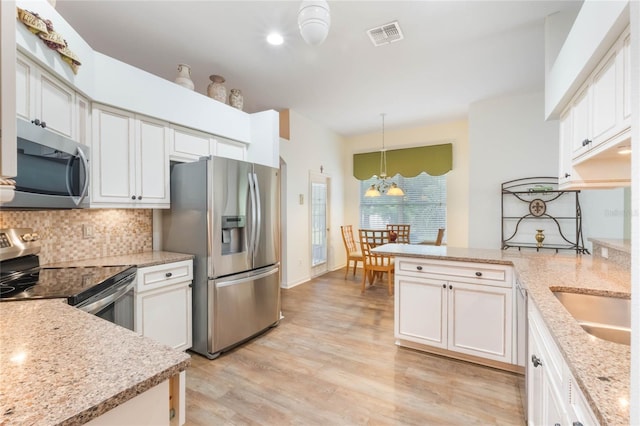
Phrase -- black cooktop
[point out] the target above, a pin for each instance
(21, 282)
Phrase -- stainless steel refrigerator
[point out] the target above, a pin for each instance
(226, 213)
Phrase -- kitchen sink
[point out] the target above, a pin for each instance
(605, 317)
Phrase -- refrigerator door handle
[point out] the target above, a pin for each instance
(258, 229)
(221, 284)
(252, 237)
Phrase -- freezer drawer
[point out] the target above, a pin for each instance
(242, 306)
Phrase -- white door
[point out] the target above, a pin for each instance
(421, 310)
(164, 315)
(113, 155)
(152, 161)
(319, 222)
(480, 320)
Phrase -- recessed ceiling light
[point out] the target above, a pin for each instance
(275, 39)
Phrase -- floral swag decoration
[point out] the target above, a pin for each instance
(43, 28)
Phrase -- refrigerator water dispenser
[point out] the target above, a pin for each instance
(233, 234)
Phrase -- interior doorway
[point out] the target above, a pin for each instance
(319, 185)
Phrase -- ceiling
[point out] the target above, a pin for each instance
(454, 53)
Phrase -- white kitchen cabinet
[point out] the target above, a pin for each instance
(163, 303)
(189, 145)
(130, 160)
(41, 96)
(227, 148)
(553, 397)
(456, 306)
(596, 123)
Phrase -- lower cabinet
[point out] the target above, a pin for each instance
(441, 306)
(163, 303)
(163, 404)
(553, 396)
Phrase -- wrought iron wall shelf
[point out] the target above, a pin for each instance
(537, 215)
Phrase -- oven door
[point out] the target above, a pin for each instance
(115, 304)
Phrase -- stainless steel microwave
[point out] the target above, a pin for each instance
(53, 171)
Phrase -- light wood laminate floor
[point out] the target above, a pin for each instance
(333, 361)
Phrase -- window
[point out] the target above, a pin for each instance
(424, 206)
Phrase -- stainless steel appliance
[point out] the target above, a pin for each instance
(105, 291)
(53, 171)
(226, 213)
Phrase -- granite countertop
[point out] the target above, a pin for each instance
(59, 365)
(147, 258)
(601, 368)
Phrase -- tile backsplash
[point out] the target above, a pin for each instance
(115, 231)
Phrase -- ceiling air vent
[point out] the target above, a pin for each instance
(385, 34)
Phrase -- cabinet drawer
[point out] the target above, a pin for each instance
(480, 273)
(163, 275)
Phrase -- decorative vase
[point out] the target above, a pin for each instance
(236, 99)
(184, 76)
(216, 89)
(539, 237)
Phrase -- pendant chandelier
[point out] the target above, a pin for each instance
(384, 183)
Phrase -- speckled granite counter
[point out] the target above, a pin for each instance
(59, 365)
(600, 367)
(148, 258)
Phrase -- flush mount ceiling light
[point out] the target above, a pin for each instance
(314, 20)
(384, 183)
(275, 39)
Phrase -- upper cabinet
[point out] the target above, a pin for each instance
(596, 125)
(44, 100)
(130, 160)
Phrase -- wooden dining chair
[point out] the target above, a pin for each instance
(438, 240)
(350, 246)
(402, 233)
(375, 264)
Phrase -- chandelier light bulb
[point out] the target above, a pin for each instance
(314, 20)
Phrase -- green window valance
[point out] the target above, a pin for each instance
(436, 160)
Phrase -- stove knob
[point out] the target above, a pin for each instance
(26, 238)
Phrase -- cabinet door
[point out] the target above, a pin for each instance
(189, 145)
(55, 104)
(566, 158)
(229, 149)
(113, 173)
(25, 92)
(535, 385)
(83, 120)
(152, 162)
(421, 311)
(480, 320)
(165, 315)
(626, 80)
(604, 100)
(580, 130)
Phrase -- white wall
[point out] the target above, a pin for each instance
(310, 146)
(508, 139)
(455, 132)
